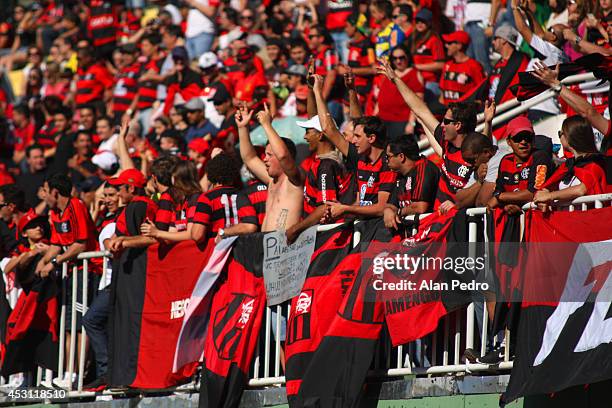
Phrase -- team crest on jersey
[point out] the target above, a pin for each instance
(63, 227)
(525, 173)
(463, 170)
(229, 322)
(408, 185)
(371, 181)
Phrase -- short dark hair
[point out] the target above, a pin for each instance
(174, 31)
(385, 7)
(81, 132)
(106, 119)
(23, 109)
(222, 169)
(579, 134)
(61, 183)
(162, 168)
(373, 125)
(407, 145)
(476, 143)
(231, 14)
(33, 147)
(13, 195)
(153, 38)
(65, 111)
(298, 43)
(465, 113)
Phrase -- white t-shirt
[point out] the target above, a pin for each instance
(198, 22)
(105, 158)
(560, 18)
(493, 165)
(477, 12)
(106, 233)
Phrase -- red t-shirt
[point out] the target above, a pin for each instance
(24, 136)
(427, 52)
(72, 225)
(391, 105)
(91, 84)
(246, 85)
(458, 79)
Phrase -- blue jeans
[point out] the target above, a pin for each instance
(96, 326)
(341, 39)
(199, 44)
(479, 46)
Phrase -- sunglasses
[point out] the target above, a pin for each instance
(448, 121)
(178, 61)
(400, 58)
(2, 205)
(311, 36)
(396, 15)
(522, 137)
(246, 17)
(218, 103)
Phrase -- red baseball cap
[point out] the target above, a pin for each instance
(29, 217)
(131, 177)
(199, 145)
(518, 125)
(458, 36)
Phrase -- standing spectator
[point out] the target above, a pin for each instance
(200, 126)
(149, 78)
(417, 181)
(35, 175)
(106, 157)
(80, 165)
(125, 91)
(480, 17)
(390, 105)
(337, 14)
(213, 80)
(72, 232)
(361, 57)
(298, 52)
(94, 84)
(512, 61)
(107, 207)
(428, 53)
(185, 82)
(102, 27)
(172, 37)
(461, 74)
(403, 17)
(390, 34)
(249, 79)
(325, 64)
(200, 29)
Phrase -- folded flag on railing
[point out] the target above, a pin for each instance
(235, 323)
(190, 345)
(149, 295)
(32, 337)
(565, 333)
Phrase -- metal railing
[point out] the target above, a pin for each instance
(456, 331)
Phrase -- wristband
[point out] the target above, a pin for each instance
(55, 263)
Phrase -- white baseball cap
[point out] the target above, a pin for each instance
(207, 60)
(312, 123)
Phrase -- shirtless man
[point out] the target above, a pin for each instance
(278, 171)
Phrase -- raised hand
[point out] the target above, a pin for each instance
(243, 115)
(349, 79)
(546, 75)
(263, 117)
(384, 68)
(318, 83)
(489, 111)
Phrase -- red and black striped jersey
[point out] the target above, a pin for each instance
(133, 215)
(102, 23)
(327, 180)
(147, 90)
(372, 177)
(91, 84)
(74, 224)
(361, 54)
(419, 185)
(459, 79)
(185, 212)
(104, 219)
(257, 193)
(530, 175)
(46, 135)
(167, 211)
(592, 170)
(223, 207)
(189, 86)
(126, 88)
(454, 171)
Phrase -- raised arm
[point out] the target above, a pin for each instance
(578, 103)
(327, 123)
(521, 25)
(286, 160)
(125, 161)
(247, 151)
(354, 107)
(416, 104)
(489, 114)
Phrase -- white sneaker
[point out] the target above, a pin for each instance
(65, 382)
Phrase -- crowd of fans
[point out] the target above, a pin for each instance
(125, 124)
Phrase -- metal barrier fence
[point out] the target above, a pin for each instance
(456, 331)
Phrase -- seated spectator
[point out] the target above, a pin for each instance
(31, 180)
(477, 150)
(80, 165)
(390, 34)
(107, 207)
(170, 142)
(417, 181)
(522, 172)
(584, 174)
(227, 136)
(461, 74)
(185, 82)
(106, 157)
(125, 90)
(198, 151)
(296, 79)
(403, 16)
(222, 211)
(94, 83)
(12, 208)
(200, 126)
(23, 131)
(249, 79)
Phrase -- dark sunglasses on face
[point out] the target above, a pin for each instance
(311, 36)
(2, 205)
(246, 17)
(179, 61)
(448, 121)
(522, 137)
(398, 58)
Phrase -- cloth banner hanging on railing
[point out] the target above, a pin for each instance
(190, 345)
(565, 338)
(150, 291)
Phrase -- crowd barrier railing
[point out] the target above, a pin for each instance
(456, 332)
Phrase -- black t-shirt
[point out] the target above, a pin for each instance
(420, 184)
(8, 239)
(30, 183)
